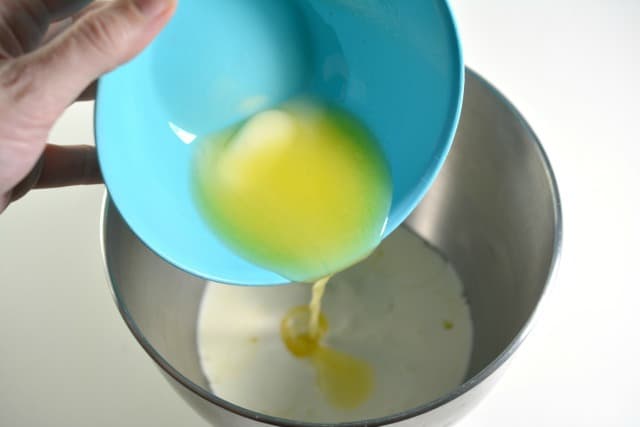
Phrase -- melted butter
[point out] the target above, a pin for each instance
(302, 190)
(346, 381)
(315, 307)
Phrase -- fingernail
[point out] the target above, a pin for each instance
(153, 8)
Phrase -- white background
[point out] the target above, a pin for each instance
(571, 67)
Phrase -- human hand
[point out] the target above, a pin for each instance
(51, 52)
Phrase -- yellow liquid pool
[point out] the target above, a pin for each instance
(302, 190)
(345, 381)
(402, 312)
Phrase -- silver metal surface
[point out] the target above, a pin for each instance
(494, 211)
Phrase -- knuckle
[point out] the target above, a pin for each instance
(100, 33)
(104, 32)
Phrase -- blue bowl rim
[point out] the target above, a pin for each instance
(425, 182)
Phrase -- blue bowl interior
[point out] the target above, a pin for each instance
(396, 65)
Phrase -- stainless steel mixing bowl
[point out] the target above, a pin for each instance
(494, 211)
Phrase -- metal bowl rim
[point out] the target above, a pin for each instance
(492, 367)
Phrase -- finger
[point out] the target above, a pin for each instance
(27, 182)
(61, 9)
(68, 165)
(51, 78)
(91, 7)
(24, 23)
(59, 166)
(58, 26)
(55, 29)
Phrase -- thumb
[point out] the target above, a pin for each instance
(52, 77)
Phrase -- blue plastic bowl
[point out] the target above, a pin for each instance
(397, 65)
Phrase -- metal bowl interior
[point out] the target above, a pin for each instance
(494, 211)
